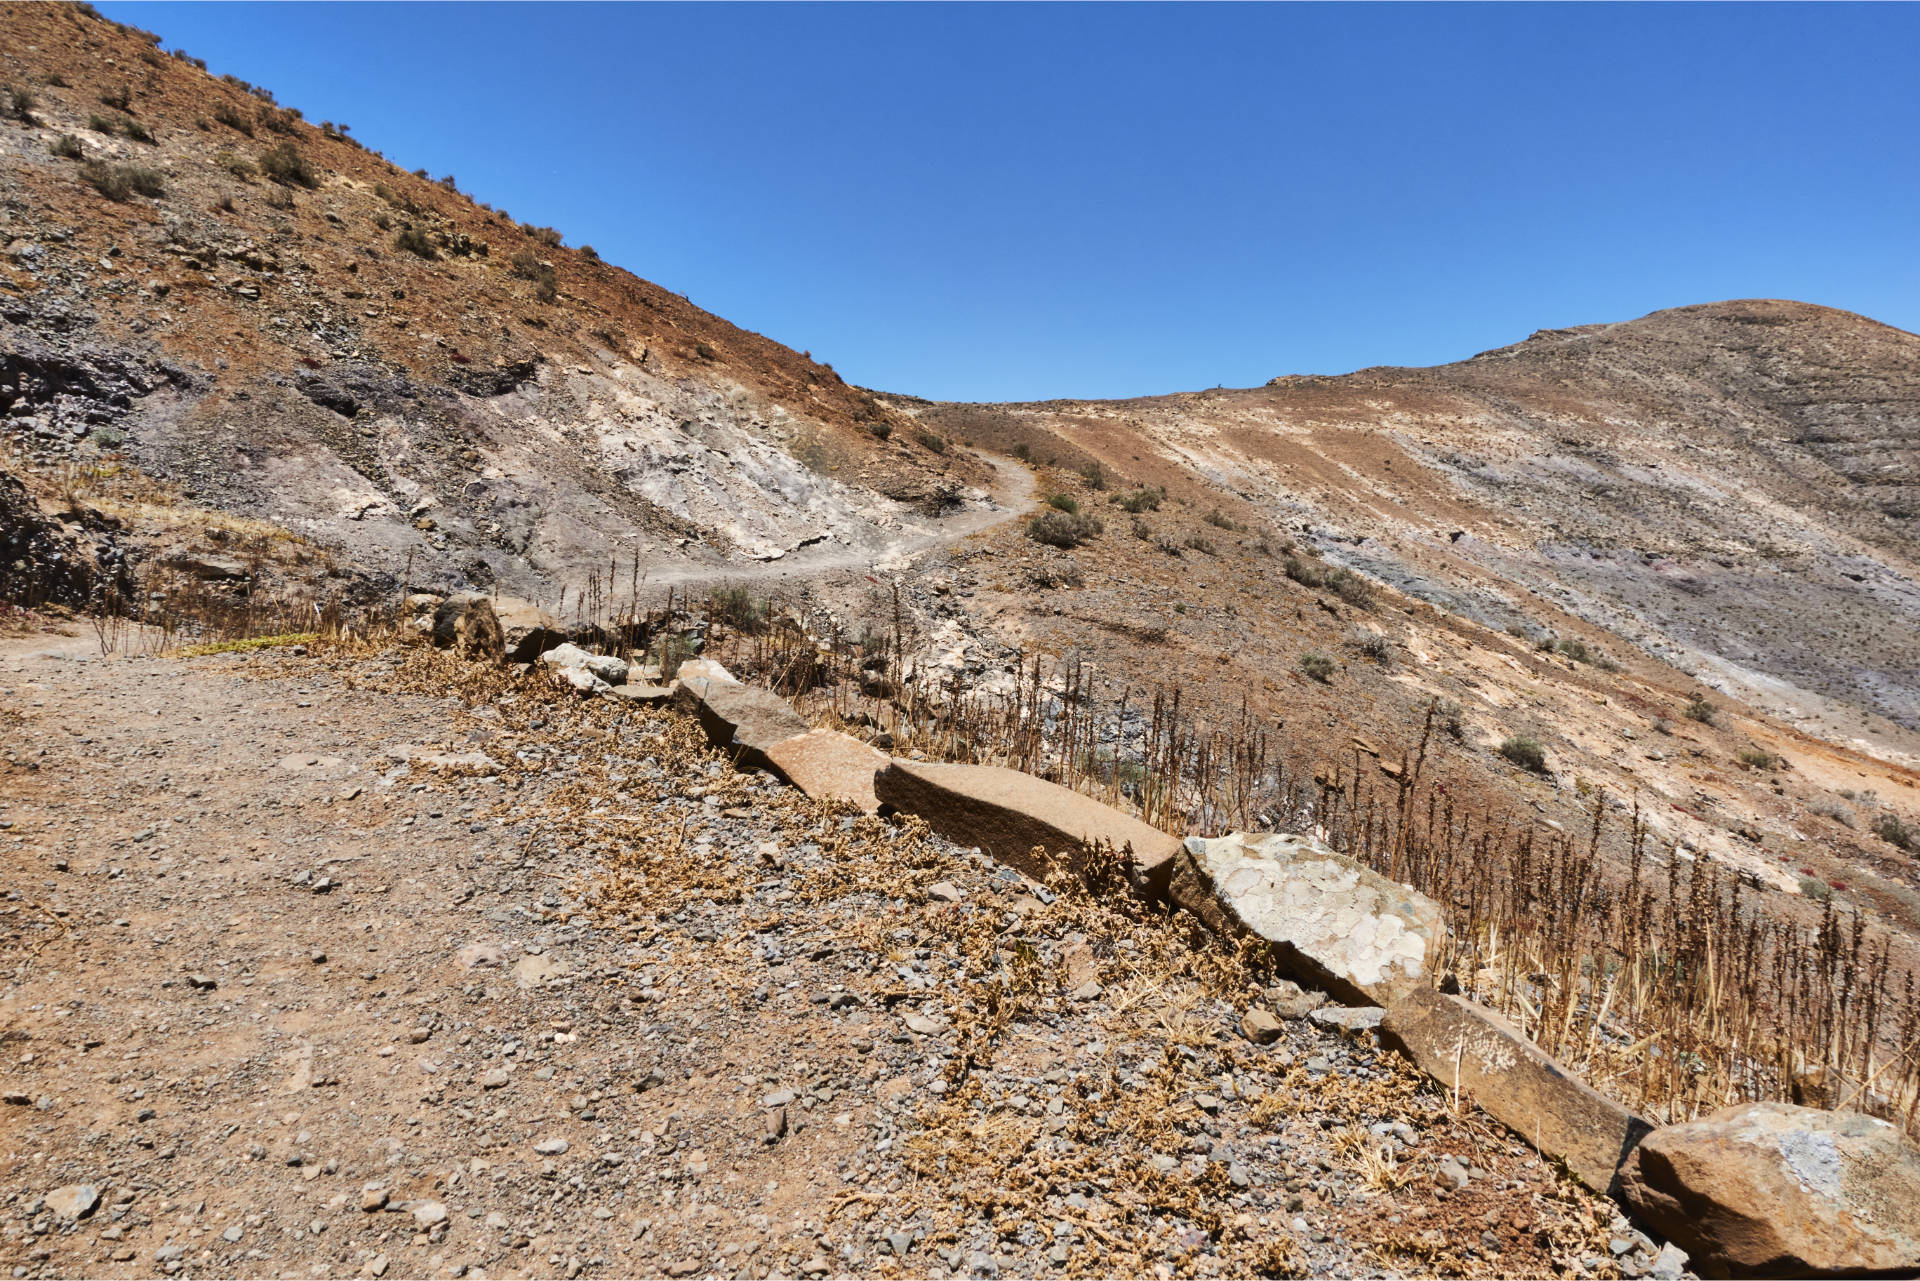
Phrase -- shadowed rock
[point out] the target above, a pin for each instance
(1774, 1190)
(1462, 1044)
(1007, 814)
(739, 719)
(1336, 924)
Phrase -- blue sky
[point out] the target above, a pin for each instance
(987, 202)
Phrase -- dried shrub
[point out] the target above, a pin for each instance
(1062, 529)
(1318, 666)
(1064, 502)
(1895, 831)
(929, 441)
(1525, 752)
(233, 118)
(1094, 474)
(416, 242)
(120, 183)
(119, 98)
(528, 265)
(67, 147)
(1143, 500)
(284, 163)
(1700, 710)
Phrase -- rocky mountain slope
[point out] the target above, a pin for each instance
(273, 322)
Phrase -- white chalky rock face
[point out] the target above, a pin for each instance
(1358, 933)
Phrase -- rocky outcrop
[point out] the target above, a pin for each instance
(1009, 814)
(742, 720)
(43, 561)
(1774, 1190)
(1334, 923)
(827, 765)
(1469, 1047)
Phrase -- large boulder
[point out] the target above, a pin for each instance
(466, 622)
(1342, 927)
(741, 720)
(526, 630)
(1008, 814)
(828, 765)
(1774, 1190)
(1469, 1047)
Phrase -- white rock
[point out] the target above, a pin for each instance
(1363, 938)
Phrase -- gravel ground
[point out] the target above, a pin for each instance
(287, 994)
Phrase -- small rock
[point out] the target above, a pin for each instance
(419, 1034)
(1089, 991)
(552, 1147)
(428, 1213)
(201, 982)
(232, 1234)
(372, 1197)
(1669, 1263)
(72, 1202)
(944, 892)
(376, 1266)
(495, 1079)
(1260, 1027)
(776, 1124)
(318, 957)
(1348, 1018)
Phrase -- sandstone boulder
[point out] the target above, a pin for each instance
(1465, 1045)
(603, 666)
(1007, 814)
(742, 720)
(1343, 927)
(466, 622)
(829, 766)
(1774, 1190)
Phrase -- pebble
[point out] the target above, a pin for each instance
(552, 1147)
(372, 1197)
(944, 892)
(429, 1213)
(1260, 1027)
(495, 1079)
(232, 1234)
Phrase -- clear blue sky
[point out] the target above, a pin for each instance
(982, 202)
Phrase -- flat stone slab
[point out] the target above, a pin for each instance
(1774, 1190)
(742, 720)
(827, 765)
(644, 694)
(1008, 814)
(1343, 927)
(1465, 1045)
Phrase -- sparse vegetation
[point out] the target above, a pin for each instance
(136, 131)
(1094, 474)
(1318, 666)
(1895, 831)
(1064, 502)
(416, 242)
(1307, 573)
(1351, 588)
(1700, 710)
(1200, 543)
(880, 430)
(1143, 500)
(121, 183)
(233, 118)
(284, 163)
(1374, 647)
(527, 265)
(1754, 758)
(930, 441)
(1525, 752)
(735, 606)
(545, 235)
(1581, 652)
(67, 147)
(1141, 529)
(1449, 716)
(120, 98)
(1062, 528)
(1219, 520)
(19, 102)
(237, 165)
(103, 124)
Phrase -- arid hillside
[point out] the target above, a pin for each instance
(264, 318)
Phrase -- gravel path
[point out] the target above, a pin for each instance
(277, 1002)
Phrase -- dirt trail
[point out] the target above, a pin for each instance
(290, 1007)
(1014, 493)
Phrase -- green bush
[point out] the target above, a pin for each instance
(120, 99)
(137, 131)
(1219, 520)
(1094, 474)
(1143, 500)
(1753, 758)
(237, 165)
(736, 607)
(1373, 646)
(103, 124)
(1064, 502)
(416, 242)
(67, 147)
(1062, 529)
(1893, 830)
(880, 430)
(930, 441)
(1318, 666)
(284, 163)
(1526, 753)
(1700, 710)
